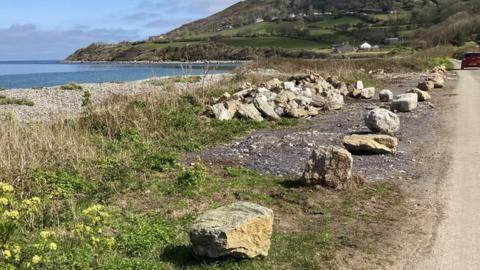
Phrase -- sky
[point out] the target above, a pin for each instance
(53, 29)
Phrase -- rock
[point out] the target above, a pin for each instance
(437, 79)
(312, 111)
(329, 167)
(382, 121)
(262, 105)
(371, 144)
(290, 86)
(303, 101)
(274, 84)
(284, 97)
(405, 103)
(385, 95)
(334, 100)
(292, 104)
(249, 111)
(241, 230)
(343, 89)
(422, 95)
(319, 101)
(232, 106)
(367, 93)
(426, 85)
(359, 85)
(226, 96)
(280, 111)
(355, 93)
(242, 94)
(297, 112)
(334, 82)
(221, 112)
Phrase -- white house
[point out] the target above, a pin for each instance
(366, 46)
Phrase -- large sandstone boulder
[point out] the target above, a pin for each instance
(249, 111)
(241, 230)
(422, 95)
(262, 105)
(371, 144)
(385, 95)
(426, 85)
(382, 121)
(329, 167)
(405, 103)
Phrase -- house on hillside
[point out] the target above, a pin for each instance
(342, 48)
(259, 20)
(365, 46)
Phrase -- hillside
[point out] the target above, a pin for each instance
(301, 28)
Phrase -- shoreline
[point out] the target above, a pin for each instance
(148, 62)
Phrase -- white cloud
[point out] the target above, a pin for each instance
(30, 42)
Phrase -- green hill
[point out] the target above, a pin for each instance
(301, 28)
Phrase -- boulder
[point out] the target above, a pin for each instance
(422, 95)
(371, 144)
(297, 112)
(359, 85)
(367, 93)
(319, 101)
(405, 103)
(382, 121)
(249, 111)
(290, 86)
(437, 79)
(334, 100)
(426, 85)
(329, 166)
(385, 95)
(284, 97)
(221, 112)
(241, 230)
(262, 105)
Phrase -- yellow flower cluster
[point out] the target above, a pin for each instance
(11, 252)
(11, 215)
(6, 188)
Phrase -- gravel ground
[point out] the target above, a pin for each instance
(285, 152)
(53, 103)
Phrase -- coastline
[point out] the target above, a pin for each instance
(215, 62)
(53, 103)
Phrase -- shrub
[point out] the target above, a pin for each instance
(191, 178)
(72, 86)
(14, 101)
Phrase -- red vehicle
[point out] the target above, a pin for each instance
(471, 60)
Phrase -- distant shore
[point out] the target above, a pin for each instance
(214, 62)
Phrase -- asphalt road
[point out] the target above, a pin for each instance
(457, 241)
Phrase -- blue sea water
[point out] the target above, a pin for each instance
(27, 74)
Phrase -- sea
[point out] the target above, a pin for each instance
(29, 74)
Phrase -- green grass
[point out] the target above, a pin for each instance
(330, 22)
(153, 46)
(279, 42)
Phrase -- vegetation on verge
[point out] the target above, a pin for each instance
(115, 194)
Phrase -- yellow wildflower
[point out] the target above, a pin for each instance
(52, 246)
(7, 188)
(11, 214)
(4, 201)
(47, 234)
(7, 254)
(36, 259)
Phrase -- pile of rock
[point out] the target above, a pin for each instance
(301, 96)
